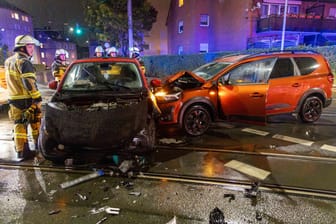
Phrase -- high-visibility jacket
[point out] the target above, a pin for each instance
(58, 68)
(21, 81)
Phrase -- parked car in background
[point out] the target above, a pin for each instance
(258, 88)
(102, 106)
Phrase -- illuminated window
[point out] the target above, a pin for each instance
(204, 20)
(16, 16)
(204, 47)
(332, 12)
(42, 55)
(24, 18)
(180, 27)
(181, 2)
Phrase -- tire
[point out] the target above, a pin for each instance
(47, 147)
(196, 120)
(311, 109)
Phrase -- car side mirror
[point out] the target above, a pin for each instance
(155, 83)
(53, 84)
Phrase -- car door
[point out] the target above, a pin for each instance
(242, 91)
(284, 87)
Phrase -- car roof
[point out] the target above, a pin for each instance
(106, 59)
(238, 57)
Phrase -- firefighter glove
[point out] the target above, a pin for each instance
(28, 115)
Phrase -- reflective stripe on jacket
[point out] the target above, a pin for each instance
(21, 79)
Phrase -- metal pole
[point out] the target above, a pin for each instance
(284, 26)
(130, 26)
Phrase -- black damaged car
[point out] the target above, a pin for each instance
(101, 106)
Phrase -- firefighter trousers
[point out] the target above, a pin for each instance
(20, 129)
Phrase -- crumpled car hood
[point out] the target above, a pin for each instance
(96, 122)
(178, 75)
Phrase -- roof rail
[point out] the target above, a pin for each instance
(284, 51)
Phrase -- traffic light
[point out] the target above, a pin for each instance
(78, 30)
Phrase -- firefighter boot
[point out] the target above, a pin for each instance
(27, 153)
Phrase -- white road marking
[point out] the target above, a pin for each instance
(254, 131)
(295, 140)
(329, 147)
(248, 169)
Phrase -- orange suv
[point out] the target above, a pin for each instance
(262, 87)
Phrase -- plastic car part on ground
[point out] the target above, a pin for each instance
(82, 179)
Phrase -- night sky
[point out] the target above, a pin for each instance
(57, 12)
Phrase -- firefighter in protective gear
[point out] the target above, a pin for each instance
(59, 65)
(24, 96)
(112, 52)
(99, 51)
(135, 53)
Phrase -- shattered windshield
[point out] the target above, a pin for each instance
(102, 76)
(209, 70)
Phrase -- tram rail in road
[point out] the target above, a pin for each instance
(282, 179)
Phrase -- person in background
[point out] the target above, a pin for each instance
(59, 65)
(135, 53)
(99, 51)
(24, 97)
(112, 52)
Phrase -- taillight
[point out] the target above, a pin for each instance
(331, 78)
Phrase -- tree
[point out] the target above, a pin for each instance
(108, 20)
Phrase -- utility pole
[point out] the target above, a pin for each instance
(130, 27)
(284, 26)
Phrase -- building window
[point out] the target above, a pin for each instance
(204, 20)
(180, 3)
(42, 55)
(264, 10)
(204, 47)
(332, 12)
(25, 18)
(278, 9)
(180, 27)
(293, 9)
(274, 10)
(180, 50)
(15, 15)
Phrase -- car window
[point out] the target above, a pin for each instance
(251, 73)
(283, 68)
(102, 76)
(306, 65)
(211, 69)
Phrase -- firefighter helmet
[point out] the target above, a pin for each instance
(23, 40)
(99, 49)
(135, 52)
(112, 50)
(61, 52)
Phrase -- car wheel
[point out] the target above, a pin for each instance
(151, 134)
(47, 147)
(196, 120)
(311, 109)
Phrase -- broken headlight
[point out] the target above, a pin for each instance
(163, 96)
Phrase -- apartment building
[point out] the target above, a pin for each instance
(14, 22)
(223, 25)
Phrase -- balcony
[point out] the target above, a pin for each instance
(297, 23)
